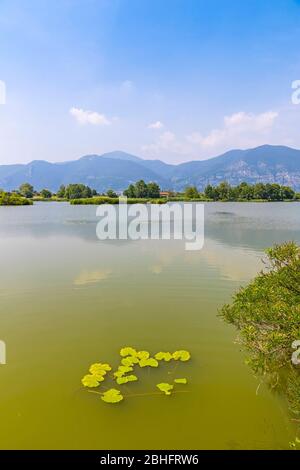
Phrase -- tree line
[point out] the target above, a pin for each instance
(141, 190)
(245, 191)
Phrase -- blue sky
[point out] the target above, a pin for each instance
(171, 79)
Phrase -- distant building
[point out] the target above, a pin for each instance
(164, 193)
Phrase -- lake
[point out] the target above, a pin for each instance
(69, 299)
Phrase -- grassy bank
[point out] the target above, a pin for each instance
(97, 200)
(7, 199)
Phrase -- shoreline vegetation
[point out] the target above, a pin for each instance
(143, 193)
(266, 314)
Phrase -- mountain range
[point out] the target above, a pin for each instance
(116, 170)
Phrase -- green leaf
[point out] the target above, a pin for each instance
(125, 380)
(143, 354)
(112, 396)
(99, 368)
(163, 356)
(180, 381)
(129, 361)
(151, 362)
(91, 381)
(125, 369)
(127, 351)
(119, 373)
(181, 355)
(165, 387)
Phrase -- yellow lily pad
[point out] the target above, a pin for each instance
(90, 381)
(99, 368)
(180, 381)
(129, 360)
(151, 362)
(125, 369)
(126, 379)
(127, 351)
(163, 356)
(181, 355)
(165, 387)
(112, 396)
(143, 354)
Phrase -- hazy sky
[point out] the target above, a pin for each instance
(170, 79)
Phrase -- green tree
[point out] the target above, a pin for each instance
(211, 192)
(141, 189)
(61, 192)
(26, 190)
(224, 191)
(77, 191)
(130, 191)
(46, 194)
(273, 192)
(245, 191)
(259, 191)
(287, 192)
(153, 190)
(111, 193)
(191, 192)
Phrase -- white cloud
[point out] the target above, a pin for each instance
(89, 117)
(239, 129)
(156, 125)
(167, 142)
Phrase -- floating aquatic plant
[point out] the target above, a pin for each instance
(151, 362)
(127, 351)
(125, 369)
(126, 379)
(91, 380)
(165, 387)
(143, 354)
(98, 367)
(163, 356)
(112, 396)
(130, 358)
(180, 381)
(181, 355)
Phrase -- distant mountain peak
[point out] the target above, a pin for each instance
(120, 155)
(118, 169)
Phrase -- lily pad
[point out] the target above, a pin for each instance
(125, 369)
(180, 381)
(126, 379)
(118, 373)
(165, 387)
(127, 351)
(143, 354)
(112, 396)
(151, 362)
(163, 356)
(181, 355)
(99, 368)
(129, 360)
(91, 381)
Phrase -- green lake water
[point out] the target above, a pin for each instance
(68, 300)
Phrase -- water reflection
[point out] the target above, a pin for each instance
(68, 299)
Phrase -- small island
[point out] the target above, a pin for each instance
(13, 199)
